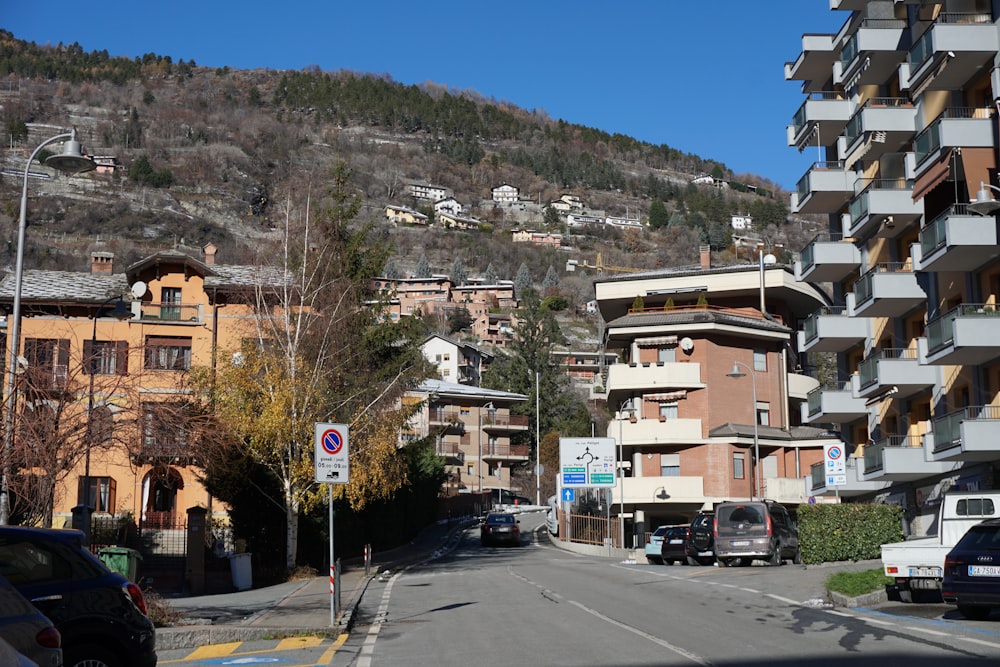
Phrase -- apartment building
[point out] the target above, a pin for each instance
(689, 434)
(901, 105)
(457, 362)
(117, 416)
(472, 428)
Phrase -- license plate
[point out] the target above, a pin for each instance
(925, 572)
(676, 541)
(740, 543)
(706, 553)
(984, 571)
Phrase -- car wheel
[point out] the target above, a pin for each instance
(974, 613)
(797, 558)
(654, 560)
(775, 557)
(89, 655)
(727, 562)
(691, 560)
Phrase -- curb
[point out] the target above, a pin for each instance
(867, 600)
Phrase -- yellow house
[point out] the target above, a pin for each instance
(82, 370)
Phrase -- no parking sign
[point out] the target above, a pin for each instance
(835, 461)
(331, 459)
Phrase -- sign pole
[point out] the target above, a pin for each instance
(333, 567)
(332, 465)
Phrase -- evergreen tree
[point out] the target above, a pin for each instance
(551, 280)
(458, 274)
(423, 269)
(390, 271)
(658, 216)
(522, 281)
(491, 277)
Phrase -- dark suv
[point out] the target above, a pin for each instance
(699, 548)
(100, 615)
(758, 530)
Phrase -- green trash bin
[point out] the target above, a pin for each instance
(122, 560)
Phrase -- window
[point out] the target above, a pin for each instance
(975, 507)
(105, 357)
(48, 362)
(171, 301)
(164, 429)
(102, 496)
(666, 354)
(763, 413)
(760, 360)
(670, 465)
(168, 353)
(739, 470)
(668, 410)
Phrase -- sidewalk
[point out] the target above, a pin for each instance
(293, 606)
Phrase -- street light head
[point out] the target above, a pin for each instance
(737, 372)
(71, 160)
(121, 311)
(985, 203)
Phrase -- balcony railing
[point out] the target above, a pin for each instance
(924, 48)
(875, 453)
(868, 369)
(808, 254)
(948, 429)
(506, 421)
(855, 126)
(810, 327)
(799, 119)
(814, 399)
(804, 186)
(934, 235)
(851, 49)
(505, 451)
(928, 142)
(864, 288)
(171, 312)
(941, 331)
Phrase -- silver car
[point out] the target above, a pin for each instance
(26, 630)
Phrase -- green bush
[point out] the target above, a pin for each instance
(854, 584)
(830, 533)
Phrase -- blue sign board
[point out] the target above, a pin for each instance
(568, 495)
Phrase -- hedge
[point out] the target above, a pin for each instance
(854, 531)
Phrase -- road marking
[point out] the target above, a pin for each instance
(328, 654)
(782, 599)
(879, 621)
(928, 632)
(982, 642)
(292, 643)
(213, 651)
(368, 648)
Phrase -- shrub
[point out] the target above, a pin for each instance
(855, 531)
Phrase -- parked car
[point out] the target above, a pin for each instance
(500, 528)
(654, 540)
(758, 530)
(972, 571)
(699, 547)
(100, 614)
(672, 546)
(26, 629)
(11, 657)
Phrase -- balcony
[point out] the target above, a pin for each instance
(661, 375)
(449, 419)
(872, 54)
(654, 432)
(883, 204)
(969, 434)
(505, 423)
(505, 452)
(833, 403)
(165, 451)
(815, 62)
(823, 114)
(832, 329)
(887, 290)
(894, 370)
(799, 385)
(855, 486)
(953, 50)
(171, 313)
(900, 458)
(826, 187)
(966, 335)
(451, 452)
(827, 259)
(957, 240)
(642, 490)
(956, 127)
(881, 126)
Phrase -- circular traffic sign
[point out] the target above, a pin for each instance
(835, 452)
(332, 442)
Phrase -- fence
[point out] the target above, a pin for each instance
(587, 529)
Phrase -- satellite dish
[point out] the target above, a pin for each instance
(770, 259)
(138, 289)
(687, 344)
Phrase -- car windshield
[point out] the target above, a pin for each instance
(500, 518)
(981, 537)
(702, 521)
(659, 531)
(740, 514)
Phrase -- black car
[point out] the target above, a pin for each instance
(972, 571)
(500, 528)
(699, 548)
(99, 614)
(672, 547)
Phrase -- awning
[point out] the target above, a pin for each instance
(933, 176)
(666, 396)
(655, 341)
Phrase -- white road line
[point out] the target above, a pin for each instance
(878, 621)
(781, 599)
(982, 642)
(368, 648)
(928, 632)
(750, 590)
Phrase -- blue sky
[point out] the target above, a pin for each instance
(704, 78)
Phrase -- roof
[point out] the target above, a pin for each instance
(453, 390)
(696, 316)
(796, 433)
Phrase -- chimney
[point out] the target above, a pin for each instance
(210, 251)
(102, 263)
(706, 256)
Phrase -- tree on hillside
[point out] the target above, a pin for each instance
(458, 274)
(316, 352)
(490, 276)
(423, 269)
(658, 216)
(390, 271)
(551, 281)
(522, 281)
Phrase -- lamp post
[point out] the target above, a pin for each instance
(985, 203)
(72, 161)
(479, 463)
(121, 312)
(621, 471)
(737, 373)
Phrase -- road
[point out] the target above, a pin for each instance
(540, 605)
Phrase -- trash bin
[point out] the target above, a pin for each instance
(122, 560)
(239, 566)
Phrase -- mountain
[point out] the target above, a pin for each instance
(222, 156)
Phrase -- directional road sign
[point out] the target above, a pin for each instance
(587, 462)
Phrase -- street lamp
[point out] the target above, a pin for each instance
(985, 203)
(621, 471)
(121, 312)
(737, 373)
(72, 161)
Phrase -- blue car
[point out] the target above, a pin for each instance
(653, 543)
(972, 571)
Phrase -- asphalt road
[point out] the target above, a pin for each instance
(543, 606)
